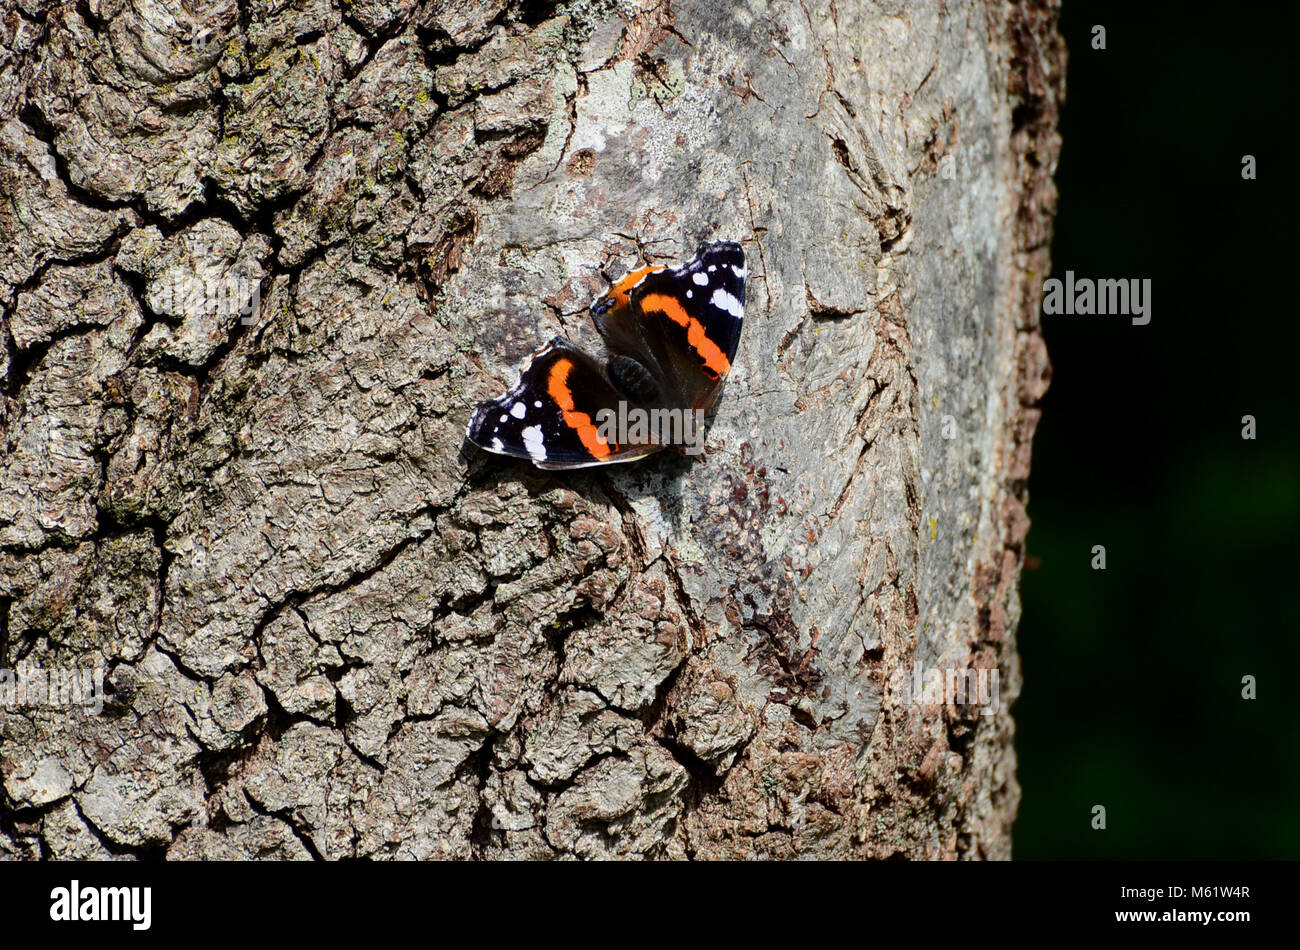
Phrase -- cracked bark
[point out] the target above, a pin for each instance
(329, 628)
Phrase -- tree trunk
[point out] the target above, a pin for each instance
(260, 263)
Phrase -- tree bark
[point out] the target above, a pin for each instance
(259, 264)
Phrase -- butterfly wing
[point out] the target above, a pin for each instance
(553, 415)
(672, 333)
(683, 322)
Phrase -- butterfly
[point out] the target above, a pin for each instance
(670, 333)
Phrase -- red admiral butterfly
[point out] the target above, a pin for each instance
(671, 334)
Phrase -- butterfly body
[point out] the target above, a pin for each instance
(671, 334)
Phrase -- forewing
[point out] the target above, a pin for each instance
(686, 319)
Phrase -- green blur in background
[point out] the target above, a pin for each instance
(1133, 675)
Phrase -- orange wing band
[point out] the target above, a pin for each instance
(557, 384)
(714, 358)
(621, 290)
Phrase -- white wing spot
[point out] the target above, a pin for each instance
(517, 410)
(537, 404)
(701, 280)
(724, 301)
(503, 418)
(533, 442)
(497, 445)
(738, 271)
(712, 268)
(690, 294)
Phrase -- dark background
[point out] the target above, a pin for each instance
(1132, 695)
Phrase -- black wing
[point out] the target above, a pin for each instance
(682, 322)
(553, 415)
